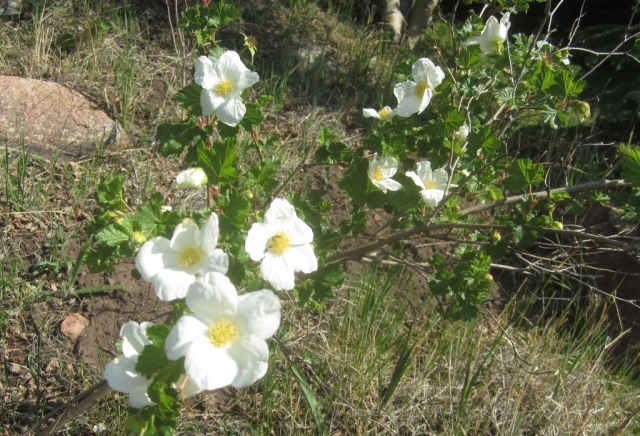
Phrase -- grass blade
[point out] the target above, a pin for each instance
(313, 402)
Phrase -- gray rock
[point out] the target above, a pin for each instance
(51, 120)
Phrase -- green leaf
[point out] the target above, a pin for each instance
(188, 98)
(454, 120)
(226, 131)
(153, 362)
(110, 193)
(482, 138)
(355, 182)
(112, 235)
(631, 165)
(253, 117)
(153, 220)
(407, 198)
(174, 137)
(313, 402)
(469, 56)
(265, 175)
(523, 173)
(559, 196)
(234, 208)
(219, 163)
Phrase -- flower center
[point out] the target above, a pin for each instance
(430, 184)
(279, 243)
(189, 256)
(377, 174)
(384, 112)
(223, 87)
(421, 87)
(222, 333)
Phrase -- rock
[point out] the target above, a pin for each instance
(73, 325)
(10, 7)
(53, 120)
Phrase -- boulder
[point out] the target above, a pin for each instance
(51, 120)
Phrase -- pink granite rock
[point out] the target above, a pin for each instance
(52, 119)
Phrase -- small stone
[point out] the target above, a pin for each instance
(73, 325)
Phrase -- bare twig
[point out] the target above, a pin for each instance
(71, 409)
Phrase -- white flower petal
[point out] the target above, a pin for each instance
(231, 111)
(251, 354)
(416, 179)
(424, 170)
(134, 338)
(280, 213)
(209, 367)
(391, 185)
(301, 258)
(140, 399)
(172, 283)
(426, 99)
(205, 73)
(212, 297)
(299, 232)
(260, 313)
(209, 234)
(121, 375)
(231, 65)
(432, 196)
(210, 102)
(420, 69)
(277, 273)
(153, 256)
(218, 261)
(186, 234)
(410, 105)
(370, 113)
(183, 333)
(440, 176)
(256, 242)
(246, 79)
(404, 89)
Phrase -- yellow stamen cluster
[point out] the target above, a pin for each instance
(421, 87)
(279, 243)
(377, 174)
(189, 256)
(430, 184)
(222, 333)
(223, 87)
(384, 112)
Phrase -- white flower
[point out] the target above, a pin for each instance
(283, 243)
(222, 81)
(172, 265)
(165, 208)
(223, 341)
(414, 97)
(386, 113)
(380, 173)
(493, 34)
(121, 373)
(461, 135)
(193, 178)
(433, 183)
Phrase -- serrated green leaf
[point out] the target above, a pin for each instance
(559, 196)
(264, 175)
(483, 138)
(188, 98)
(174, 137)
(110, 193)
(153, 362)
(253, 117)
(469, 56)
(631, 165)
(234, 208)
(112, 236)
(523, 173)
(219, 163)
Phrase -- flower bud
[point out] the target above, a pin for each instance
(489, 277)
(136, 240)
(119, 220)
(192, 178)
(495, 237)
(582, 110)
(557, 225)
